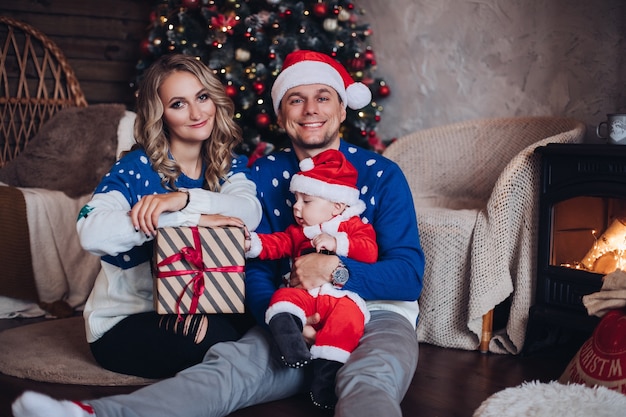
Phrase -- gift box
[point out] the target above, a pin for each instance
(199, 270)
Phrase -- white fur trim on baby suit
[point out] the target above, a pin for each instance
(331, 353)
(343, 244)
(329, 289)
(285, 307)
(311, 231)
(255, 246)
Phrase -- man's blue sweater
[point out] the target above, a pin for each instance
(395, 281)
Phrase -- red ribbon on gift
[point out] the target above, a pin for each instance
(193, 255)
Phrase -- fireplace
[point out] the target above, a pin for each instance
(582, 233)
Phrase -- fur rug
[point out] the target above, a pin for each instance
(56, 351)
(535, 399)
(71, 153)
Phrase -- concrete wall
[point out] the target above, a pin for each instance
(453, 60)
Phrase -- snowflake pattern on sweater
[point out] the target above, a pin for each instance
(134, 177)
(124, 284)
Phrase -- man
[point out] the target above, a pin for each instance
(310, 96)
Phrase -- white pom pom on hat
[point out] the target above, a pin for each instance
(309, 67)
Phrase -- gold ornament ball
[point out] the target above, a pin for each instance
(242, 55)
(330, 25)
(343, 15)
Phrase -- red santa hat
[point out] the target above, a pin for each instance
(310, 67)
(330, 176)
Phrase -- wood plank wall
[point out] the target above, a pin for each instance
(99, 38)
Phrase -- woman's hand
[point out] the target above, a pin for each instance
(218, 220)
(145, 214)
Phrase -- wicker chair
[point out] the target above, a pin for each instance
(474, 186)
(36, 81)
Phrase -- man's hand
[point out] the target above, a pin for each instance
(312, 270)
(145, 214)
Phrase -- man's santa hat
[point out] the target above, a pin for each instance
(310, 67)
(330, 176)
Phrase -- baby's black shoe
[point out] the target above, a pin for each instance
(323, 384)
(287, 331)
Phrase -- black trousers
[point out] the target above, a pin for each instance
(152, 345)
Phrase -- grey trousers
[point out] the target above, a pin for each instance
(238, 374)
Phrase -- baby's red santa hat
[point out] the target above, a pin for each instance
(310, 67)
(330, 176)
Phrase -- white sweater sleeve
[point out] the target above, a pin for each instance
(104, 226)
(237, 198)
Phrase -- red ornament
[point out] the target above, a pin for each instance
(369, 55)
(144, 47)
(258, 87)
(356, 64)
(231, 91)
(262, 120)
(191, 4)
(384, 91)
(320, 9)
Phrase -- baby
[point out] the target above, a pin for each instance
(326, 212)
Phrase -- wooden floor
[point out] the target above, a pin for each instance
(448, 382)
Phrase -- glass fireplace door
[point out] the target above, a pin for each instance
(589, 233)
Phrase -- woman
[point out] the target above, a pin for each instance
(182, 172)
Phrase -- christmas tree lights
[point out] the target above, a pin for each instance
(245, 43)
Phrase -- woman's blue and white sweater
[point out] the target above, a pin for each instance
(124, 285)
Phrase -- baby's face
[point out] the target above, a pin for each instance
(309, 210)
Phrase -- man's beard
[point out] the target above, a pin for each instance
(318, 144)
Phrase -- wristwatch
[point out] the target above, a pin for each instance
(340, 275)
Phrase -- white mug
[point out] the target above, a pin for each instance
(614, 127)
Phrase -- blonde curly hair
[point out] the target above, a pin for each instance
(151, 133)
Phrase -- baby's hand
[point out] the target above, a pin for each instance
(324, 241)
(248, 242)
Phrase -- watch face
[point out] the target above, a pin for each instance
(340, 275)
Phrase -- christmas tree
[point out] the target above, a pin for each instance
(245, 43)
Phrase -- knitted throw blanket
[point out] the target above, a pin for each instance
(475, 187)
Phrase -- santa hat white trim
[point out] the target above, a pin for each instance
(333, 192)
(309, 67)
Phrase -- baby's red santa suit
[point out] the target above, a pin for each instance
(344, 314)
